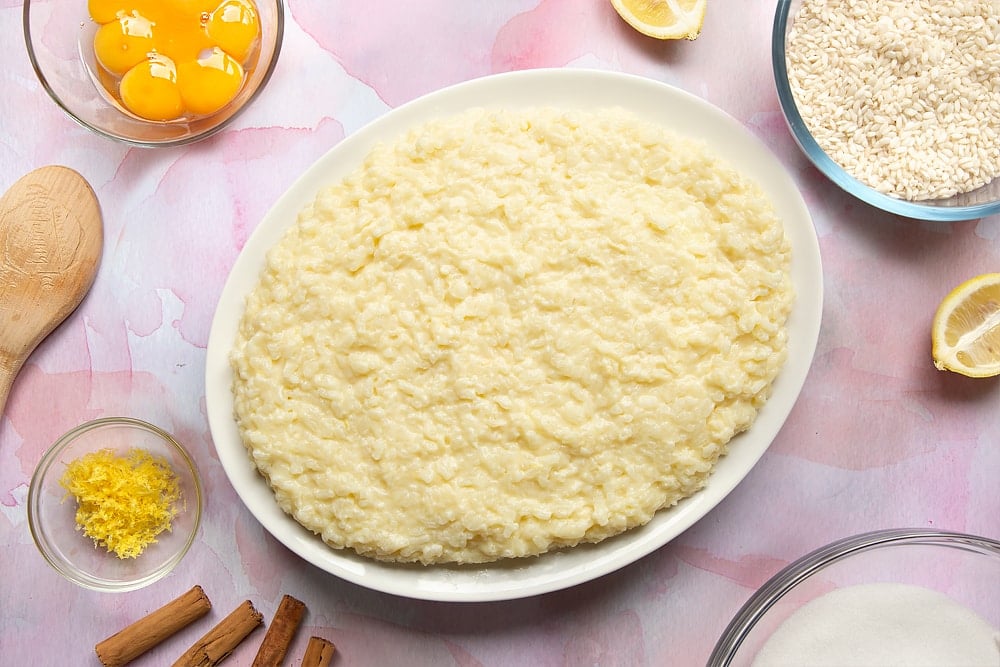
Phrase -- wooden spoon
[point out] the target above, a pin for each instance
(51, 236)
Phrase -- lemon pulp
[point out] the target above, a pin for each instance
(965, 335)
(663, 19)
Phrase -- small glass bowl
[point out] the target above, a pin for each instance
(978, 203)
(52, 510)
(966, 568)
(59, 36)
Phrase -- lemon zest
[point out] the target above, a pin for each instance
(123, 502)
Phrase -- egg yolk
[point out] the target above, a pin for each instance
(105, 11)
(234, 26)
(123, 43)
(150, 89)
(209, 83)
(174, 59)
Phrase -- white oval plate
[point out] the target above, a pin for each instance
(564, 88)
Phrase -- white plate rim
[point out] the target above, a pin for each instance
(571, 89)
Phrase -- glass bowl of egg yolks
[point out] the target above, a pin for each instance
(153, 72)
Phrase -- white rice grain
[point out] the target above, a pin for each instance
(903, 94)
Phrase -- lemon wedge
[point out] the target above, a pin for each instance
(965, 336)
(663, 19)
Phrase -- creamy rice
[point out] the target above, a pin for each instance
(511, 332)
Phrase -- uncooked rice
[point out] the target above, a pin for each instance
(903, 94)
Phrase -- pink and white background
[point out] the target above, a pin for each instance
(878, 438)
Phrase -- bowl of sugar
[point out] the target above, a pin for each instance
(892, 597)
(897, 103)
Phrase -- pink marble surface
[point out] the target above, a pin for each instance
(878, 439)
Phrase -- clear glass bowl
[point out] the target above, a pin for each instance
(52, 512)
(978, 203)
(966, 568)
(59, 34)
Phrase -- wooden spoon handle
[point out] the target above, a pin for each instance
(8, 371)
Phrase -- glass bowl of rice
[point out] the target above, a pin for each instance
(897, 596)
(896, 103)
(115, 504)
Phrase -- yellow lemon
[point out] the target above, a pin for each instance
(663, 19)
(965, 336)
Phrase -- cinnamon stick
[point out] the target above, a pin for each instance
(221, 640)
(280, 633)
(132, 641)
(319, 652)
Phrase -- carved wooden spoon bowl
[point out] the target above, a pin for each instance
(51, 236)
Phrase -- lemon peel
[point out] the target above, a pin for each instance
(965, 334)
(663, 19)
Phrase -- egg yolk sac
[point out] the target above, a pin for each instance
(175, 59)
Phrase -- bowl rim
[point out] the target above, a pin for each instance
(67, 569)
(279, 20)
(790, 576)
(829, 168)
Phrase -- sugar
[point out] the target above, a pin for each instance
(883, 625)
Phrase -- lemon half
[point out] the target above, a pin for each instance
(965, 336)
(663, 19)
